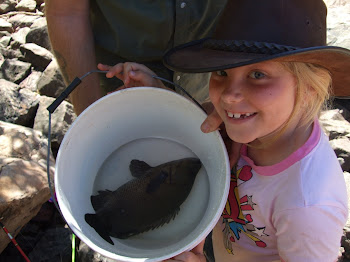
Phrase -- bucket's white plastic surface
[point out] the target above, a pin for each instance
(156, 126)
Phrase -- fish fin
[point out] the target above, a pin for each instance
(138, 168)
(166, 219)
(155, 183)
(94, 222)
(99, 200)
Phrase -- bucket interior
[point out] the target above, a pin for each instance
(155, 126)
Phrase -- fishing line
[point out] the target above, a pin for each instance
(76, 81)
(181, 88)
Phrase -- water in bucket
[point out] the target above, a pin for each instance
(155, 151)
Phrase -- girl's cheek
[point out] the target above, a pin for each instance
(214, 98)
(214, 93)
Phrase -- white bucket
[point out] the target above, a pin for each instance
(156, 126)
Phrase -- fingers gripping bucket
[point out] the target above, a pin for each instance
(156, 126)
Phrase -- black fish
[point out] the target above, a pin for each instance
(149, 201)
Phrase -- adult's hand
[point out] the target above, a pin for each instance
(72, 43)
(132, 74)
(214, 122)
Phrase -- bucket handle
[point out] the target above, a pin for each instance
(76, 81)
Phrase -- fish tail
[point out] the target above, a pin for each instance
(94, 222)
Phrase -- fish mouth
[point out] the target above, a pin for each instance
(99, 227)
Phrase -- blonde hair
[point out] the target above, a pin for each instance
(313, 88)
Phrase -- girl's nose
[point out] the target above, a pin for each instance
(233, 93)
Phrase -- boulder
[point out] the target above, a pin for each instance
(17, 106)
(22, 20)
(38, 56)
(31, 82)
(338, 23)
(14, 70)
(23, 177)
(4, 33)
(341, 147)
(334, 124)
(10, 53)
(39, 2)
(26, 5)
(56, 242)
(61, 120)
(38, 34)
(85, 253)
(42, 8)
(5, 26)
(5, 41)
(51, 82)
(7, 6)
(19, 38)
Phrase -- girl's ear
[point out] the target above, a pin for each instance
(309, 95)
(308, 103)
(306, 96)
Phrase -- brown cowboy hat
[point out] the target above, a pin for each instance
(253, 31)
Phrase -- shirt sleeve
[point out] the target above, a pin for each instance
(309, 234)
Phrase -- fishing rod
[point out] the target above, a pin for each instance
(13, 240)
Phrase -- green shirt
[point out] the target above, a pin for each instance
(142, 31)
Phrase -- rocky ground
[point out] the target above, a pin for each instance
(29, 82)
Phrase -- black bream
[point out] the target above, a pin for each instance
(149, 201)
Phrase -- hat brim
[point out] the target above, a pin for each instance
(194, 58)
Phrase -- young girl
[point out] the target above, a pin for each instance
(271, 73)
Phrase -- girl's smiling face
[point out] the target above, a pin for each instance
(254, 101)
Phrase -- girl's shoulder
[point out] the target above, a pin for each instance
(310, 176)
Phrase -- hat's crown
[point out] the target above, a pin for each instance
(298, 23)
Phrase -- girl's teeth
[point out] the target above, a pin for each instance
(238, 115)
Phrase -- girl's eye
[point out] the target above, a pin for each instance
(221, 73)
(256, 75)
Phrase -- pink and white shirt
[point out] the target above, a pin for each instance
(291, 211)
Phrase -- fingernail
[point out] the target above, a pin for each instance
(132, 73)
(205, 127)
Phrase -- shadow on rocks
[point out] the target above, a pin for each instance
(45, 238)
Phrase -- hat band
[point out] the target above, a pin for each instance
(247, 46)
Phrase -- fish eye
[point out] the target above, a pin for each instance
(256, 75)
(221, 73)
